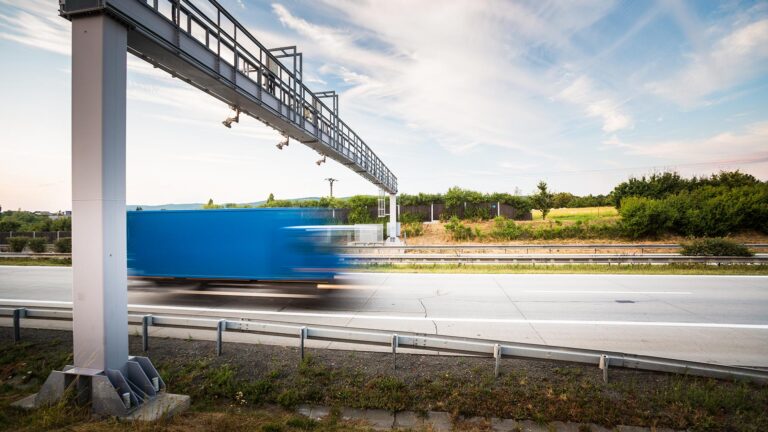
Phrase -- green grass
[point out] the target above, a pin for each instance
(46, 261)
(668, 269)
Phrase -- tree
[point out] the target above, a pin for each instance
(542, 200)
(211, 205)
(270, 198)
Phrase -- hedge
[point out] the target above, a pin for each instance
(18, 244)
(37, 244)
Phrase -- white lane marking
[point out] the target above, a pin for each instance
(421, 318)
(606, 292)
(12, 302)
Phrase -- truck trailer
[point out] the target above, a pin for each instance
(265, 244)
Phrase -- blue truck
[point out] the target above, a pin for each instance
(265, 244)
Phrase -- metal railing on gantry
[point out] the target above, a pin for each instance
(201, 43)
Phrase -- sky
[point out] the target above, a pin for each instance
(487, 95)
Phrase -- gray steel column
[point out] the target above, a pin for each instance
(392, 228)
(99, 293)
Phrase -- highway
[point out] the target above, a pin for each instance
(720, 319)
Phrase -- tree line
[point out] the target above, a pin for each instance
(25, 221)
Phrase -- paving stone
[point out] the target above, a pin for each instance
(352, 414)
(440, 421)
(532, 426)
(409, 419)
(504, 425)
(304, 410)
(598, 428)
(379, 419)
(565, 427)
(319, 412)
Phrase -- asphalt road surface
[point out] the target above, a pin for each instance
(721, 319)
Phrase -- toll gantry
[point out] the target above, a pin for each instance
(202, 44)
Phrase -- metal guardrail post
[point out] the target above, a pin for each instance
(220, 327)
(17, 315)
(302, 337)
(146, 321)
(395, 341)
(604, 360)
(422, 342)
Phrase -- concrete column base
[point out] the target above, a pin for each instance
(137, 393)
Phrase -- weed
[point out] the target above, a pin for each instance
(272, 427)
(303, 423)
(288, 398)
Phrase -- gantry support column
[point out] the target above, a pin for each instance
(393, 230)
(99, 291)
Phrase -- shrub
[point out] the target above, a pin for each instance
(413, 229)
(642, 217)
(505, 229)
(406, 218)
(18, 244)
(37, 244)
(714, 247)
(458, 230)
(289, 398)
(63, 245)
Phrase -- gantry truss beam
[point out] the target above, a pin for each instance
(199, 42)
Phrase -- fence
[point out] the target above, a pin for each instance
(438, 211)
(52, 236)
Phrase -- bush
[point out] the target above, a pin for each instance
(18, 244)
(708, 211)
(37, 244)
(406, 218)
(644, 217)
(505, 229)
(63, 245)
(413, 229)
(458, 230)
(714, 247)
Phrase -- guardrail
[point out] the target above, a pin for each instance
(760, 259)
(488, 258)
(524, 247)
(419, 342)
(34, 255)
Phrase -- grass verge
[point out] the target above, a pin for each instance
(648, 269)
(44, 261)
(255, 387)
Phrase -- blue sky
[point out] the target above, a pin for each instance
(487, 95)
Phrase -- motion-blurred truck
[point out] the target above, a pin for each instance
(265, 244)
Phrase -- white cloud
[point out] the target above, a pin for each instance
(736, 57)
(595, 103)
(745, 146)
(445, 72)
(35, 23)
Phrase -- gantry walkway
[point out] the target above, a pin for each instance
(199, 42)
